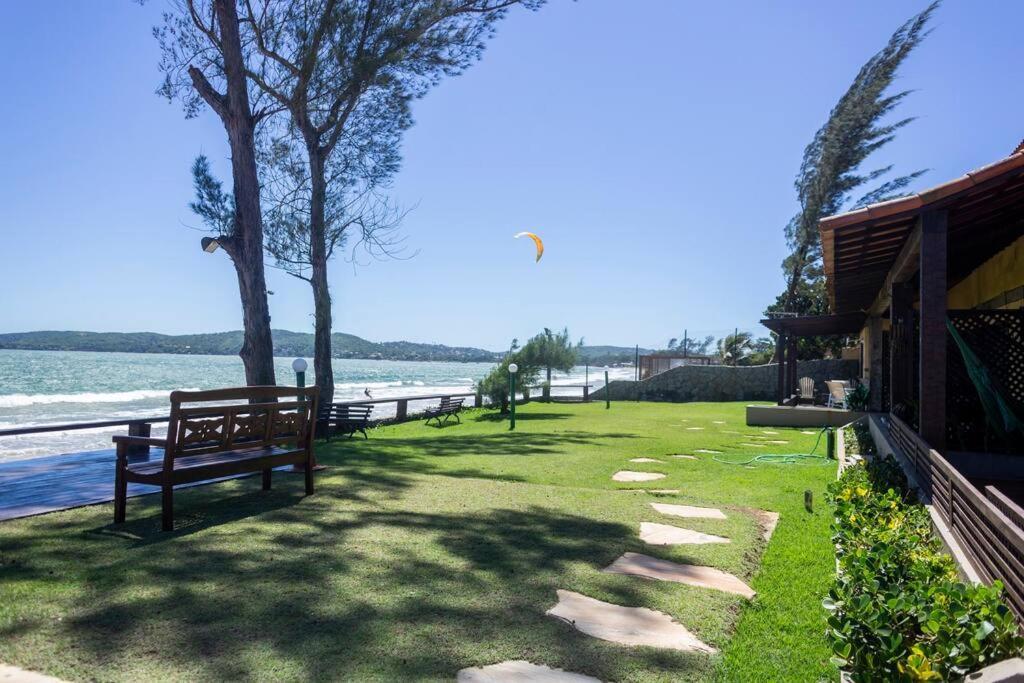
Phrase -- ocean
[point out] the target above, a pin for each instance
(57, 387)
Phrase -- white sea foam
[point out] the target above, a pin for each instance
(22, 400)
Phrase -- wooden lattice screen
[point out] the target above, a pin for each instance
(997, 338)
(904, 359)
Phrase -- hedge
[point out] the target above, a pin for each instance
(898, 608)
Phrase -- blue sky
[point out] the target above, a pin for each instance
(651, 143)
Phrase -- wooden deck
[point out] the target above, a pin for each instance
(59, 482)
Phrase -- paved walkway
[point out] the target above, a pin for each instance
(59, 482)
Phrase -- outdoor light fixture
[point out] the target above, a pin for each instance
(210, 245)
(299, 365)
(512, 370)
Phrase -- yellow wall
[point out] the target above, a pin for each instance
(1001, 273)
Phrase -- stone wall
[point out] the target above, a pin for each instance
(724, 383)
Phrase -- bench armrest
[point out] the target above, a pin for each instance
(124, 440)
(132, 440)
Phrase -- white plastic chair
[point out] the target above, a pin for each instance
(837, 391)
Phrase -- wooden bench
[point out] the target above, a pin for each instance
(339, 418)
(449, 407)
(251, 431)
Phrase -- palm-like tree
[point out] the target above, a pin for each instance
(734, 347)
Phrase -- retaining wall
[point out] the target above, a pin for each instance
(724, 382)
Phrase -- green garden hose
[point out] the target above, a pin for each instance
(782, 458)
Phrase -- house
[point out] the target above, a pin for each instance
(933, 283)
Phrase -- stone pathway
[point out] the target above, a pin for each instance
(706, 450)
(688, 511)
(653, 533)
(520, 672)
(635, 626)
(694, 429)
(626, 475)
(637, 564)
(625, 625)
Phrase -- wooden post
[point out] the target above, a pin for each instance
(781, 388)
(401, 409)
(138, 429)
(932, 368)
(791, 367)
(478, 400)
(586, 393)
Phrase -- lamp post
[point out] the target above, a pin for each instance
(512, 370)
(299, 365)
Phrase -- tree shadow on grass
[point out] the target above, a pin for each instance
(520, 417)
(326, 589)
(396, 451)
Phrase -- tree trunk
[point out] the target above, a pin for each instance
(246, 243)
(318, 279)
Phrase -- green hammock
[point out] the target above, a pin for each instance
(997, 409)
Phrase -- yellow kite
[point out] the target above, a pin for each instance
(536, 240)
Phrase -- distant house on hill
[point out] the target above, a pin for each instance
(657, 363)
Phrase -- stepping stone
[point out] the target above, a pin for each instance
(688, 511)
(694, 429)
(644, 460)
(661, 491)
(753, 445)
(520, 672)
(685, 457)
(666, 534)
(718, 422)
(636, 564)
(768, 521)
(625, 625)
(768, 431)
(706, 450)
(626, 475)
(12, 674)
(807, 432)
(777, 442)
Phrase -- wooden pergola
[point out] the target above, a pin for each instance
(789, 329)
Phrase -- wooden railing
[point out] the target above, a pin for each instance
(140, 426)
(988, 527)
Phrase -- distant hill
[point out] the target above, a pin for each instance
(286, 343)
(228, 343)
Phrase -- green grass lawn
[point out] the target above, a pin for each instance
(426, 550)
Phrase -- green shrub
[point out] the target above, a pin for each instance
(899, 610)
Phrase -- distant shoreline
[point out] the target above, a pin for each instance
(286, 344)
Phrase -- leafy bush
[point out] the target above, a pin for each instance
(858, 398)
(899, 610)
(858, 439)
(495, 385)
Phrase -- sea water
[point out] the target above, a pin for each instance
(58, 387)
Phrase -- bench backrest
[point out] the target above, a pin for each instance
(222, 419)
(449, 402)
(346, 412)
